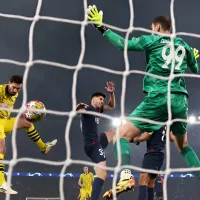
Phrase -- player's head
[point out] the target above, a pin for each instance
(97, 99)
(161, 24)
(85, 169)
(14, 84)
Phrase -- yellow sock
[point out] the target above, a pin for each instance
(35, 136)
(2, 169)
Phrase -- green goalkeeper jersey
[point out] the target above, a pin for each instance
(159, 58)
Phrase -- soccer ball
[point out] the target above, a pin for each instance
(35, 116)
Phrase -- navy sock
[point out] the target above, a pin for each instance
(96, 188)
(142, 192)
(150, 194)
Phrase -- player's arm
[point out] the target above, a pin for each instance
(135, 44)
(92, 175)
(3, 105)
(144, 137)
(192, 56)
(171, 136)
(80, 181)
(80, 106)
(111, 103)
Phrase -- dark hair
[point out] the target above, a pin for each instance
(98, 94)
(164, 21)
(16, 79)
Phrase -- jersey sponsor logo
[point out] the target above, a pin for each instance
(97, 120)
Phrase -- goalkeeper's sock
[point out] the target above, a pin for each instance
(35, 136)
(96, 188)
(191, 159)
(2, 169)
(142, 192)
(150, 194)
(125, 151)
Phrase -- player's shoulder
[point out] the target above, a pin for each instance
(2, 88)
(146, 37)
(178, 40)
(91, 173)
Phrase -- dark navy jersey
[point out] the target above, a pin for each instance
(89, 124)
(157, 140)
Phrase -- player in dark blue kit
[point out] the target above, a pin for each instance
(94, 144)
(158, 188)
(153, 159)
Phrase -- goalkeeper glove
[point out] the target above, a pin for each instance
(196, 53)
(96, 16)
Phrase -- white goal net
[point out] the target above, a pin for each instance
(30, 62)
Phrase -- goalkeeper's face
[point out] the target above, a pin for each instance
(13, 88)
(98, 101)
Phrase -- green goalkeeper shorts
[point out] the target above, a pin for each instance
(154, 107)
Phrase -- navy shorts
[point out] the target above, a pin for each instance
(95, 150)
(153, 160)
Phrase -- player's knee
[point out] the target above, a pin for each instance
(143, 179)
(128, 131)
(2, 146)
(101, 173)
(23, 123)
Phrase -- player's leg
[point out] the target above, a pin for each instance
(151, 184)
(187, 152)
(4, 188)
(148, 109)
(109, 135)
(31, 132)
(179, 106)
(101, 175)
(152, 108)
(143, 185)
(79, 195)
(89, 193)
(95, 152)
(83, 194)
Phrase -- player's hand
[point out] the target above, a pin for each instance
(135, 140)
(196, 52)
(95, 16)
(110, 87)
(80, 106)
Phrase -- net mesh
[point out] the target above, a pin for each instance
(72, 114)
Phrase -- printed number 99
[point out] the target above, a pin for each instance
(179, 56)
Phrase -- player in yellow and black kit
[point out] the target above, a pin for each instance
(85, 181)
(8, 96)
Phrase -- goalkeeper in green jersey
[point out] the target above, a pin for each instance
(159, 56)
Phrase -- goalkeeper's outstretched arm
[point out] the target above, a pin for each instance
(135, 44)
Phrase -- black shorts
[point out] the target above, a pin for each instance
(153, 160)
(95, 150)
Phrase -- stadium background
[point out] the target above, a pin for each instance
(60, 42)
